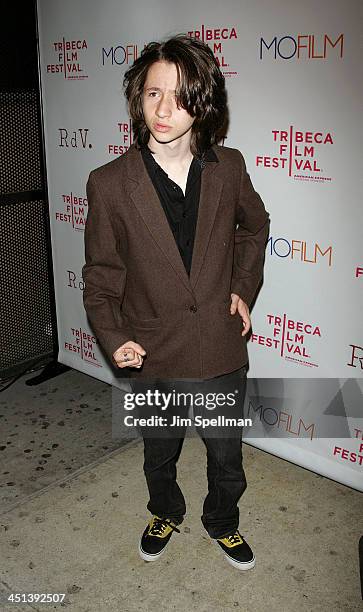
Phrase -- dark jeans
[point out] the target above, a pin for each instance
(225, 473)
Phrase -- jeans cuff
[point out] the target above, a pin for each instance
(177, 520)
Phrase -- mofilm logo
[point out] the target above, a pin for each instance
(302, 47)
(273, 418)
(300, 250)
(119, 55)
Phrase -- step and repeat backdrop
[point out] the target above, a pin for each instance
(295, 92)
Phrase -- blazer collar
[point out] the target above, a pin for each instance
(147, 203)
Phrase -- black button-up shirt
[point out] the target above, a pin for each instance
(181, 210)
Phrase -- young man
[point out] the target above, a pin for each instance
(174, 243)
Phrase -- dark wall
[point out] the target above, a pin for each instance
(18, 46)
(28, 324)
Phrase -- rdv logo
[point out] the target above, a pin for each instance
(78, 139)
(356, 357)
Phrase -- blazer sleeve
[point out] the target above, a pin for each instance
(104, 274)
(250, 238)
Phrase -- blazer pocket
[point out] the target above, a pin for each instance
(224, 311)
(143, 323)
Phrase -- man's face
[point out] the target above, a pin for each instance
(165, 121)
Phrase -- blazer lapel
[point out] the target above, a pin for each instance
(210, 195)
(147, 202)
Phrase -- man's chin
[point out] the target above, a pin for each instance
(163, 138)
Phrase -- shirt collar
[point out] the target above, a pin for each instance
(209, 156)
(150, 161)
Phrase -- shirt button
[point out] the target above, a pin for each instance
(193, 308)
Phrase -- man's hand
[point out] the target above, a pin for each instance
(134, 353)
(238, 305)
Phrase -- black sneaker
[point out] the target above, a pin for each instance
(155, 538)
(237, 552)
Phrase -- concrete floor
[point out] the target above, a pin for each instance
(73, 506)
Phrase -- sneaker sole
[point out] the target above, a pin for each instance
(147, 556)
(241, 566)
(247, 565)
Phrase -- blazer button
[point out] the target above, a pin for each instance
(193, 308)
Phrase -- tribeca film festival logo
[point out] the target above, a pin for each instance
(124, 130)
(300, 250)
(345, 454)
(302, 47)
(82, 344)
(72, 210)
(297, 153)
(215, 38)
(289, 338)
(68, 56)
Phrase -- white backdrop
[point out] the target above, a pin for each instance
(294, 85)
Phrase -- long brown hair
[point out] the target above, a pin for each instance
(200, 89)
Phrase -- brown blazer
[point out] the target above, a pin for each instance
(136, 286)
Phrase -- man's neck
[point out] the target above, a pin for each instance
(176, 153)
